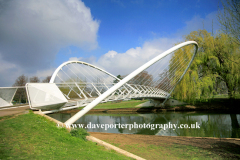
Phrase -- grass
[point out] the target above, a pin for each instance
(167, 151)
(31, 136)
(5, 117)
(220, 96)
(122, 104)
(237, 96)
(79, 133)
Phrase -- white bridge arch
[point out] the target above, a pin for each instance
(77, 84)
(98, 80)
(132, 75)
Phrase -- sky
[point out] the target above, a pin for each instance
(116, 35)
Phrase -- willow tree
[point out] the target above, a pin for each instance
(189, 88)
(217, 60)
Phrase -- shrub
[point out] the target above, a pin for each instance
(80, 133)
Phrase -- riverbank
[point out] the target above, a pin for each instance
(166, 147)
(215, 105)
(31, 136)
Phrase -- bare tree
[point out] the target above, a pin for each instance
(229, 18)
(34, 79)
(21, 81)
(20, 95)
(164, 81)
(143, 78)
(47, 79)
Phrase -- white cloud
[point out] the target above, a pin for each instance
(125, 63)
(91, 60)
(32, 32)
(44, 73)
(6, 65)
(8, 71)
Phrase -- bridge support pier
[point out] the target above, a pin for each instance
(157, 102)
(173, 102)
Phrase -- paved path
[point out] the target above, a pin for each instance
(13, 110)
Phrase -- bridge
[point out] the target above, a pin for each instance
(77, 84)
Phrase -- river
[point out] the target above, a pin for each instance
(194, 124)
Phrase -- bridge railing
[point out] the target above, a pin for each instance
(84, 91)
(13, 96)
(164, 72)
(76, 83)
(80, 94)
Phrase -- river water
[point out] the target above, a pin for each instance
(194, 124)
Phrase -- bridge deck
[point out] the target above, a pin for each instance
(12, 110)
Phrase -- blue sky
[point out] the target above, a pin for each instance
(129, 23)
(117, 35)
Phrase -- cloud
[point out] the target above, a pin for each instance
(8, 71)
(90, 60)
(32, 32)
(44, 73)
(124, 63)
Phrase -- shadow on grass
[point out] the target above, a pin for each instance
(227, 150)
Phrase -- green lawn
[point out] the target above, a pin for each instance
(167, 151)
(122, 104)
(31, 136)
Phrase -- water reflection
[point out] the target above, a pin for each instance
(211, 125)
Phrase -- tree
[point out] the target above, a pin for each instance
(217, 62)
(47, 79)
(21, 81)
(229, 18)
(34, 79)
(21, 92)
(164, 81)
(119, 77)
(189, 87)
(143, 78)
(219, 58)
